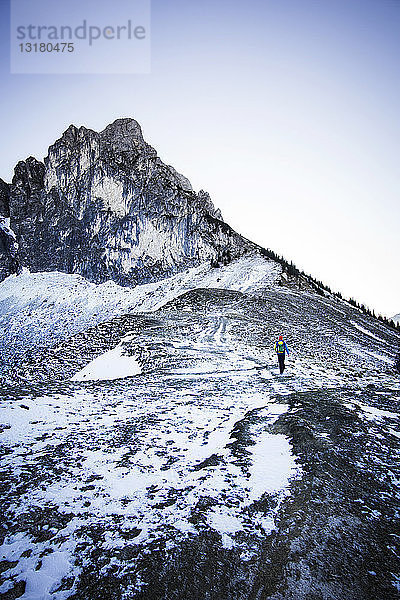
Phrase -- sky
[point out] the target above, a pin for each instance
(285, 111)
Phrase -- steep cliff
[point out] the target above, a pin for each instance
(4, 199)
(105, 206)
(8, 243)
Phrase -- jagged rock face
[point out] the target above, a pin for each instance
(105, 206)
(8, 250)
(4, 199)
(8, 244)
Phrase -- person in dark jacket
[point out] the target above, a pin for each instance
(281, 349)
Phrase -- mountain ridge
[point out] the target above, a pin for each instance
(104, 205)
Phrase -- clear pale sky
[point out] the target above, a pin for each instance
(285, 111)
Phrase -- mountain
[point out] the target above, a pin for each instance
(150, 449)
(105, 206)
(396, 318)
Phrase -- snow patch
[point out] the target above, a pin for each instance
(39, 583)
(273, 465)
(222, 520)
(357, 326)
(108, 366)
(373, 413)
(5, 226)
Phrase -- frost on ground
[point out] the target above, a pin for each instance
(203, 474)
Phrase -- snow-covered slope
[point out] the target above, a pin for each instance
(206, 470)
(396, 318)
(39, 308)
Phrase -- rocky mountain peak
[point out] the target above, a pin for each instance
(28, 177)
(122, 132)
(121, 136)
(105, 206)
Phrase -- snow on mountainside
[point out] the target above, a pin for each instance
(205, 470)
(396, 318)
(44, 307)
(150, 449)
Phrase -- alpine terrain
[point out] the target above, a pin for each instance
(150, 449)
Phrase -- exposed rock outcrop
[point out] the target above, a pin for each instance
(4, 199)
(8, 244)
(105, 206)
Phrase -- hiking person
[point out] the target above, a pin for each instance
(281, 349)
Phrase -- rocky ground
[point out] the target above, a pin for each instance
(207, 475)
